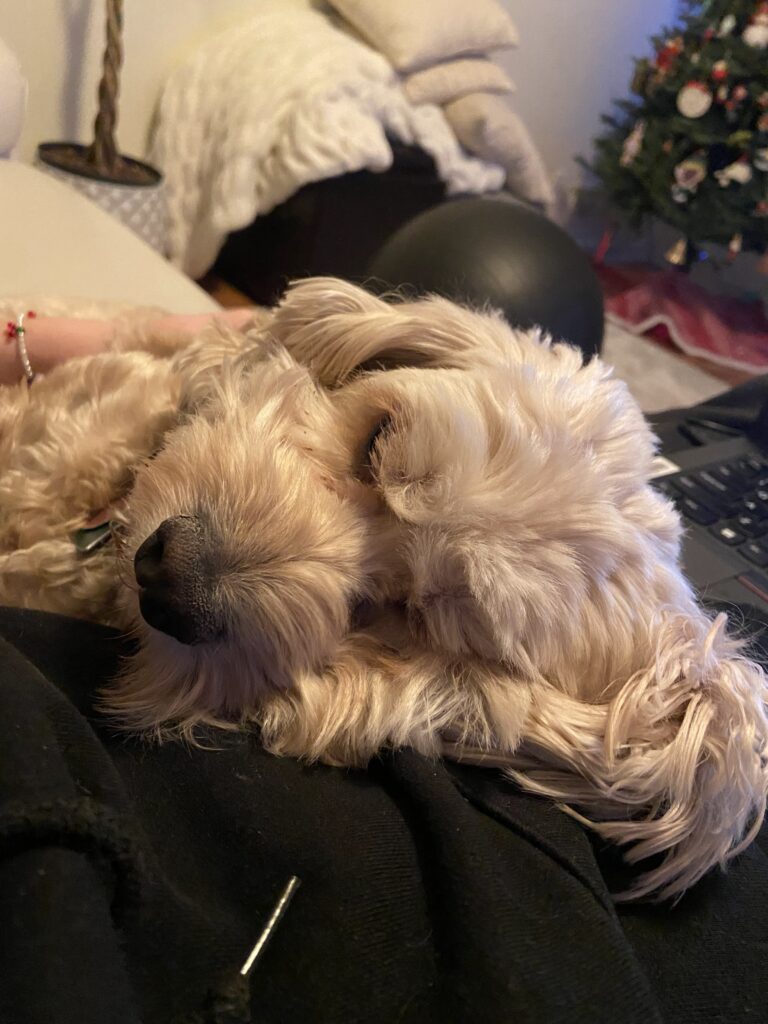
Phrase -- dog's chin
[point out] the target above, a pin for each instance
(169, 688)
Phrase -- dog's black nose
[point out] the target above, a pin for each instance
(173, 570)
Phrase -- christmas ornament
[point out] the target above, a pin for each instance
(689, 174)
(632, 145)
(762, 99)
(760, 159)
(667, 146)
(761, 210)
(739, 172)
(678, 253)
(694, 99)
(734, 247)
(734, 101)
(666, 57)
(720, 70)
(722, 93)
(727, 25)
(762, 123)
(756, 32)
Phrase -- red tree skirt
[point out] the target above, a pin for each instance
(666, 304)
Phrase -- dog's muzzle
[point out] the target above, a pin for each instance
(177, 586)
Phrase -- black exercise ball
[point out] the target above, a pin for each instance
(498, 252)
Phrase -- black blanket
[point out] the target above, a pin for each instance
(134, 880)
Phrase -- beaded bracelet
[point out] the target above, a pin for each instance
(17, 331)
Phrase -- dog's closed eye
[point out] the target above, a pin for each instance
(365, 470)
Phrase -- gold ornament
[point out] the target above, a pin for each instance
(632, 145)
(678, 254)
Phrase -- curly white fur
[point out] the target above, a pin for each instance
(495, 580)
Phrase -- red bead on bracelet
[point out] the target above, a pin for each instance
(11, 329)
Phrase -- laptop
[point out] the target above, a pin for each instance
(721, 491)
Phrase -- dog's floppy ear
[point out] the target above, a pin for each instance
(335, 328)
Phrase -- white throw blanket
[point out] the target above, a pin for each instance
(273, 103)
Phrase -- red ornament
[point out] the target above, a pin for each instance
(708, 34)
(720, 70)
(668, 54)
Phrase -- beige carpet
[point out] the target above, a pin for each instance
(656, 377)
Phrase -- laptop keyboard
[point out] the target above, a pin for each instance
(730, 498)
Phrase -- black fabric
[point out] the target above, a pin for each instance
(330, 227)
(134, 879)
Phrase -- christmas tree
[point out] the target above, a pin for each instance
(693, 149)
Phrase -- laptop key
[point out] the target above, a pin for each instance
(696, 511)
(743, 467)
(711, 483)
(752, 526)
(728, 535)
(686, 483)
(756, 552)
(730, 476)
(752, 464)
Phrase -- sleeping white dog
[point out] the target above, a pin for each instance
(363, 524)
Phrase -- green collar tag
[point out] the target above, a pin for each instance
(89, 540)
